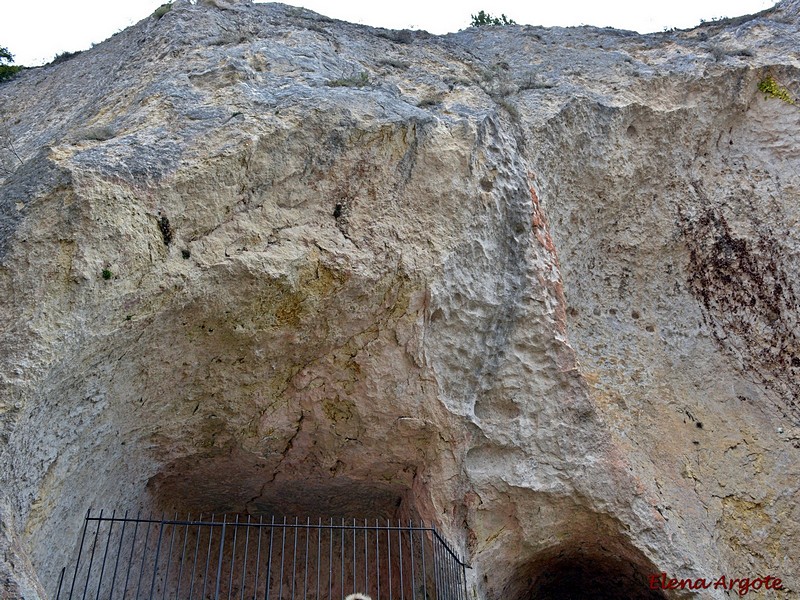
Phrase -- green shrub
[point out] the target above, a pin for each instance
(64, 57)
(772, 88)
(107, 274)
(162, 10)
(7, 71)
(484, 18)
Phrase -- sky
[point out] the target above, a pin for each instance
(35, 31)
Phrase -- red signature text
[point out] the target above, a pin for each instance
(741, 585)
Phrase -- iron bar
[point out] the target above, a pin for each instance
(60, 582)
(194, 563)
(378, 557)
(91, 557)
(208, 558)
(258, 557)
(80, 552)
(400, 555)
(144, 555)
(219, 560)
(158, 554)
(130, 558)
(294, 558)
(330, 561)
(305, 572)
(319, 555)
(283, 553)
(119, 553)
(341, 560)
(105, 555)
(269, 561)
(407, 561)
(445, 573)
(183, 556)
(366, 557)
(436, 573)
(246, 548)
(411, 543)
(389, 553)
(453, 587)
(169, 560)
(424, 572)
(233, 558)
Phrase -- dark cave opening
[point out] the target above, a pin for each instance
(221, 526)
(602, 570)
(257, 556)
(238, 482)
(599, 578)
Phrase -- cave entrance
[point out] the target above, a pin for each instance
(224, 556)
(600, 572)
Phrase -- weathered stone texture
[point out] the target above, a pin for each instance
(537, 285)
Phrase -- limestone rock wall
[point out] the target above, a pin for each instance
(535, 285)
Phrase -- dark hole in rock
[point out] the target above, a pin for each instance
(603, 566)
(225, 521)
(237, 482)
(596, 577)
(166, 229)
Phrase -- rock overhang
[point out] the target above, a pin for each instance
(383, 235)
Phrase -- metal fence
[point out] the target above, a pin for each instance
(230, 558)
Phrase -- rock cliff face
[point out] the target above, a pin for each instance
(536, 285)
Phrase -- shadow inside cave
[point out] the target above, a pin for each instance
(605, 569)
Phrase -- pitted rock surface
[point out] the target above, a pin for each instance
(538, 286)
